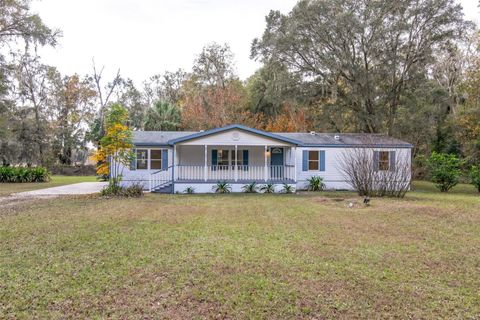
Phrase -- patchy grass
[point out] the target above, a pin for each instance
(9, 188)
(243, 256)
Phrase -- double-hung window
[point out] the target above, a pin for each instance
(223, 159)
(383, 160)
(142, 159)
(239, 156)
(313, 161)
(156, 159)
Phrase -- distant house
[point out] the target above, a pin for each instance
(168, 161)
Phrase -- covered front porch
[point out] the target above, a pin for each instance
(234, 164)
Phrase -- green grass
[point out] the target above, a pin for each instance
(243, 256)
(9, 188)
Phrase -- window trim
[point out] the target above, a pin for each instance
(149, 158)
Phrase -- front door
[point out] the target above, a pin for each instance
(276, 163)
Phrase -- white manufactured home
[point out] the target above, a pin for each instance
(171, 161)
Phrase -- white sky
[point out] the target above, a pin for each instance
(145, 37)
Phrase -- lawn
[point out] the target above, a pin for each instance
(311, 256)
(8, 188)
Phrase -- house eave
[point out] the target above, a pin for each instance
(232, 127)
(396, 146)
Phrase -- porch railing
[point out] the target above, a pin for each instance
(234, 173)
(160, 178)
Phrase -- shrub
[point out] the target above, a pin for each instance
(288, 188)
(358, 168)
(475, 177)
(189, 190)
(24, 174)
(222, 187)
(315, 183)
(444, 170)
(113, 190)
(133, 191)
(268, 188)
(250, 188)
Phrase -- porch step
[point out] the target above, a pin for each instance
(165, 188)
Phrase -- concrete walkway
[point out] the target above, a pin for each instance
(70, 189)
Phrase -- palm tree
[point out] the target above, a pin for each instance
(162, 116)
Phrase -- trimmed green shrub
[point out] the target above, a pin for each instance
(315, 183)
(250, 188)
(288, 188)
(189, 190)
(24, 174)
(268, 188)
(475, 177)
(114, 190)
(444, 170)
(222, 187)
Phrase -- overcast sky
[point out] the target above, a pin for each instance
(144, 37)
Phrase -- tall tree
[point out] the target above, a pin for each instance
(214, 66)
(368, 53)
(32, 93)
(163, 116)
(73, 102)
(165, 87)
(134, 101)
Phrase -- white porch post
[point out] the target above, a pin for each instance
(174, 163)
(205, 168)
(236, 163)
(295, 164)
(266, 165)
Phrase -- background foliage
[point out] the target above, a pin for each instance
(405, 68)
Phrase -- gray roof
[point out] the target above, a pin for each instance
(153, 138)
(165, 138)
(345, 139)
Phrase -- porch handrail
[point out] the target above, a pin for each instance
(234, 172)
(159, 178)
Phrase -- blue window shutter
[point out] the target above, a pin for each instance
(164, 159)
(392, 161)
(322, 160)
(214, 159)
(376, 159)
(245, 159)
(304, 160)
(133, 161)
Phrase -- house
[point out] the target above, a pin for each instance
(170, 162)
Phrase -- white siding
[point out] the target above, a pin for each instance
(235, 137)
(332, 176)
(142, 176)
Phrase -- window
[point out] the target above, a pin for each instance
(313, 161)
(239, 162)
(156, 159)
(222, 159)
(383, 160)
(142, 159)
